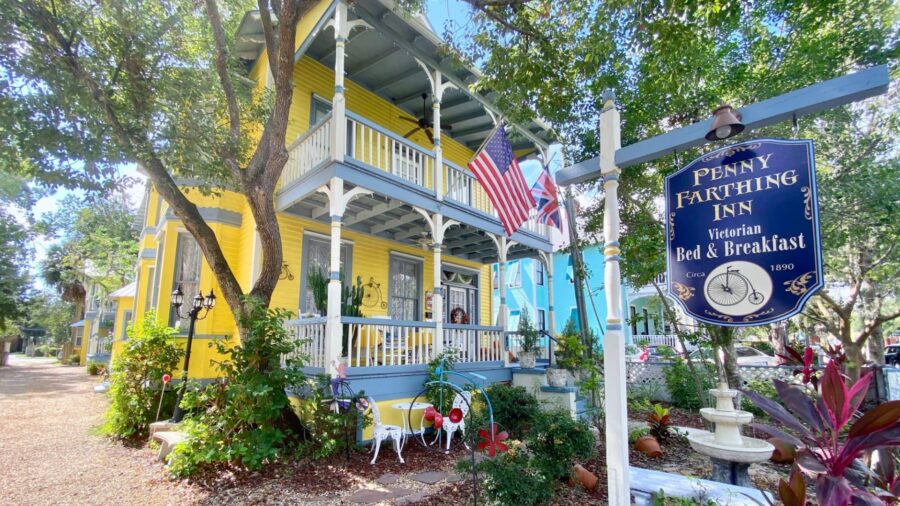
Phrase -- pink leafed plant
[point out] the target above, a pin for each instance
(830, 438)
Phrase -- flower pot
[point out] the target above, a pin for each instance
(556, 377)
(587, 479)
(527, 359)
(648, 445)
(784, 452)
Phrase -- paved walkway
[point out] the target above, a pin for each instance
(49, 450)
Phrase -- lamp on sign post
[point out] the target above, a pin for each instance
(726, 123)
(198, 303)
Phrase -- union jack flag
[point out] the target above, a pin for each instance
(498, 171)
(544, 193)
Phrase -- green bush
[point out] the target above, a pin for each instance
(556, 441)
(512, 478)
(762, 387)
(514, 408)
(135, 380)
(245, 418)
(331, 432)
(681, 386)
(637, 432)
(45, 350)
(73, 359)
(96, 368)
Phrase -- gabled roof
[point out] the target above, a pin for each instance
(126, 291)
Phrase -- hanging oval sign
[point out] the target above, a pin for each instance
(742, 233)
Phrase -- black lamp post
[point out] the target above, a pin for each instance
(199, 303)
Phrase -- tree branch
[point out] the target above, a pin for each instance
(269, 33)
(234, 115)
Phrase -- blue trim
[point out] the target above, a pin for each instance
(611, 177)
(437, 142)
(550, 308)
(437, 290)
(459, 326)
(529, 370)
(334, 275)
(613, 258)
(612, 243)
(338, 88)
(613, 326)
(336, 217)
(340, 38)
(387, 321)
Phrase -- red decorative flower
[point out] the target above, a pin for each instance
(492, 441)
(429, 413)
(166, 378)
(438, 420)
(456, 415)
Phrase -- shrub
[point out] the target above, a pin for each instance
(512, 478)
(74, 359)
(680, 383)
(137, 375)
(637, 433)
(556, 440)
(332, 432)
(514, 408)
(45, 350)
(530, 336)
(96, 368)
(660, 425)
(441, 397)
(245, 418)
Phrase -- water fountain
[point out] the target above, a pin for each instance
(731, 453)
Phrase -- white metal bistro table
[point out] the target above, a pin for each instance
(405, 408)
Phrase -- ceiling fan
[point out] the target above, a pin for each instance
(424, 123)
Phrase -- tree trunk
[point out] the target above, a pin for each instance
(778, 337)
(876, 346)
(855, 359)
(723, 338)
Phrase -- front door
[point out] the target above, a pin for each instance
(461, 304)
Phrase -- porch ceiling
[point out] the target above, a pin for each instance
(391, 219)
(383, 60)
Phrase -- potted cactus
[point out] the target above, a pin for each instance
(530, 342)
(351, 304)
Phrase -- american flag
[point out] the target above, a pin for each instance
(544, 193)
(498, 171)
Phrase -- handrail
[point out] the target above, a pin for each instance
(305, 135)
(388, 133)
(386, 321)
(307, 321)
(466, 326)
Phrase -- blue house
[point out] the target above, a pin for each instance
(527, 290)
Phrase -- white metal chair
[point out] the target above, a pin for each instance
(382, 432)
(462, 401)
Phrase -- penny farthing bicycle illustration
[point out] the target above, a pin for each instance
(453, 411)
(731, 287)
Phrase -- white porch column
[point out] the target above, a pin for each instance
(438, 228)
(502, 310)
(437, 300)
(338, 105)
(437, 93)
(614, 340)
(342, 28)
(337, 204)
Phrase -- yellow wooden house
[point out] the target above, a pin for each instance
(368, 194)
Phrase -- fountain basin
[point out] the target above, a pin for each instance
(728, 417)
(752, 450)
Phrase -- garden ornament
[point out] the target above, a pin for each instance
(165, 379)
(493, 441)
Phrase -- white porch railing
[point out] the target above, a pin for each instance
(383, 342)
(309, 151)
(310, 333)
(474, 343)
(669, 340)
(385, 150)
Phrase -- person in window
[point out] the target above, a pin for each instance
(459, 316)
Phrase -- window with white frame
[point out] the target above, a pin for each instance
(316, 255)
(405, 288)
(318, 109)
(187, 271)
(539, 272)
(514, 275)
(633, 320)
(542, 319)
(646, 315)
(126, 320)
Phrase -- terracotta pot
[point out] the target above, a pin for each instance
(784, 452)
(527, 359)
(556, 377)
(649, 446)
(587, 479)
